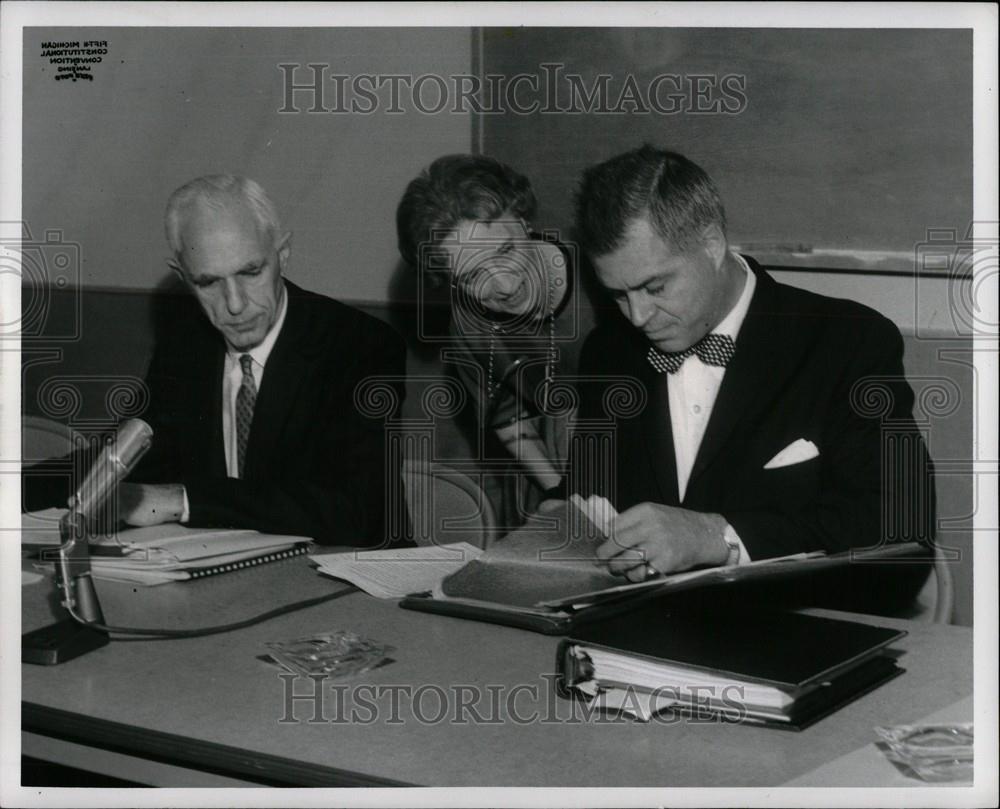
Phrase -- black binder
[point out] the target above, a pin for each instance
(766, 581)
(813, 664)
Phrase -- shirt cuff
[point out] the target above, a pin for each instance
(186, 513)
(736, 546)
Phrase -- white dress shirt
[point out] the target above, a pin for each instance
(232, 378)
(692, 391)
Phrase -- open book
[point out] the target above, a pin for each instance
(546, 576)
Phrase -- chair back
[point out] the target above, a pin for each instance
(446, 506)
(43, 439)
(935, 603)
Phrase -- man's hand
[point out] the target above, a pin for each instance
(665, 538)
(142, 504)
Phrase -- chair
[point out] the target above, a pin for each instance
(945, 604)
(446, 506)
(936, 600)
(46, 461)
(43, 439)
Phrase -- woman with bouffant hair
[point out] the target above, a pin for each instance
(465, 224)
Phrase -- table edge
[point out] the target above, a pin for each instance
(196, 754)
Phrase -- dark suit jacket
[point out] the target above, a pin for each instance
(316, 463)
(316, 459)
(806, 366)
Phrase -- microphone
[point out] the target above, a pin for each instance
(113, 465)
(84, 630)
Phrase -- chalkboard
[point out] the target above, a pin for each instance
(840, 147)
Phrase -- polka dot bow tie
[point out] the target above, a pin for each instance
(712, 349)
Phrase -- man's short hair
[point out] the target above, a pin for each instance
(457, 187)
(218, 191)
(679, 198)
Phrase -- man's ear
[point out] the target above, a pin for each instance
(283, 247)
(715, 244)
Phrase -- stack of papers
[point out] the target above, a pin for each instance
(171, 552)
(163, 553)
(400, 572)
(41, 528)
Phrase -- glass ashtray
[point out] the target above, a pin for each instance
(934, 752)
(333, 654)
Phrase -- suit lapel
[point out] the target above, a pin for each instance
(287, 367)
(207, 357)
(656, 433)
(763, 360)
(215, 442)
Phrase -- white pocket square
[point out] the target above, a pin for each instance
(796, 452)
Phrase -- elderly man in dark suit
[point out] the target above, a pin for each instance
(253, 400)
(752, 432)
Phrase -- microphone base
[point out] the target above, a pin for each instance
(59, 642)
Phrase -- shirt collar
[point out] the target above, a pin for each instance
(732, 322)
(263, 351)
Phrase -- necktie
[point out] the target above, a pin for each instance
(246, 397)
(712, 349)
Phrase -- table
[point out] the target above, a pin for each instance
(206, 711)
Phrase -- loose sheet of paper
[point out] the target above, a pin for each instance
(598, 510)
(400, 572)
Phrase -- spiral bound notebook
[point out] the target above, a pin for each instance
(161, 567)
(170, 552)
(229, 567)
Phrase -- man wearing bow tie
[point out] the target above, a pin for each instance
(753, 434)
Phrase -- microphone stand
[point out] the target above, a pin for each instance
(72, 636)
(84, 628)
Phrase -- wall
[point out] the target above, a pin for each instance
(168, 104)
(843, 139)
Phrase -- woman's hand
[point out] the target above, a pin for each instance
(522, 440)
